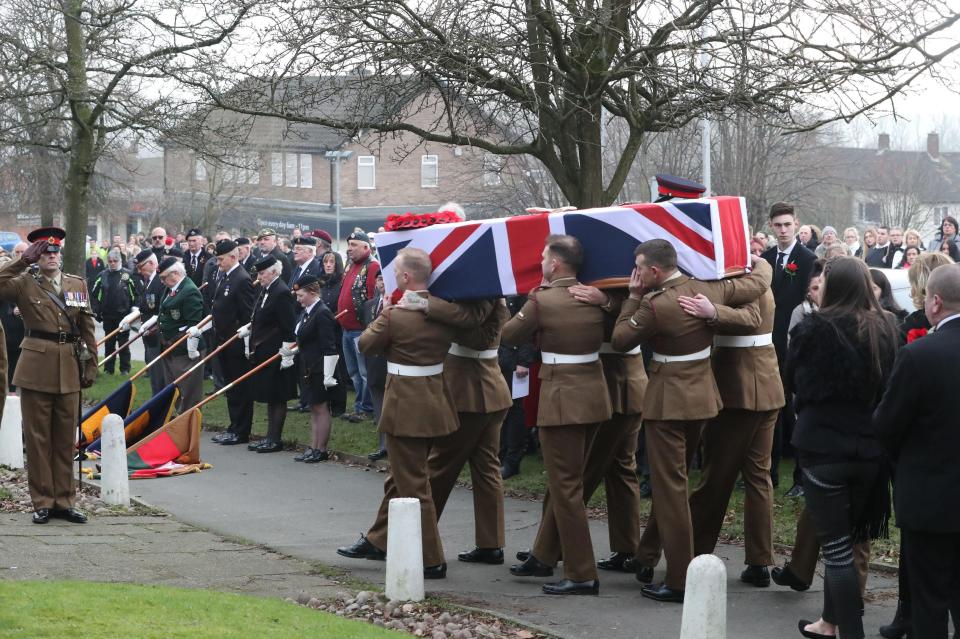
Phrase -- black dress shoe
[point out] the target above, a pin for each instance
(506, 472)
(492, 556)
(435, 572)
(900, 625)
(645, 574)
(362, 549)
(795, 491)
(232, 439)
(803, 623)
(70, 514)
(785, 577)
(219, 437)
(304, 455)
(617, 561)
(568, 587)
(377, 455)
(270, 447)
(41, 515)
(523, 555)
(661, 592)
(531, 567)
(757, 576)
(253, 446)
(317, 456)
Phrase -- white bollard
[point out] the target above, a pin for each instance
(11, 434)
(114, 483)
(705, 600)
(404, 551)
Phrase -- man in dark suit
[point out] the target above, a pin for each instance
(305, 260)
(791, 262)
(151, 293)
(513, 433)
(247, 258)
(196, 258)
(917, 422)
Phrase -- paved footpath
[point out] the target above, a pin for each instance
(306, 511)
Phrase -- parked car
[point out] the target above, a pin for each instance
(901, 287)
(9, 239)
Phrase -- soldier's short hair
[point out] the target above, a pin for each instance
(945, 282)
(659, 253)
(781, 208)
(416, 262)
(567, 249)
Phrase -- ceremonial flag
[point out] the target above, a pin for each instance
(154, 413)
(118, 402)
(493, 258)
(172, 450)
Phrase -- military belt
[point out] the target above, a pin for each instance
(469, 353)
(60, 338)
(691, 357)
(607, 349)
(743, 341)
(408, 370)
(563, 358)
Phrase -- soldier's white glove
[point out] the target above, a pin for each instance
(193, 347)
(244, 332)
(150, 323)
(287, 349)
(129, 319)
(329, 370)
(413, 302)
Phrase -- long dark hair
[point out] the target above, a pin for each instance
(848, 295)
(951, 220)
(887, 302)
(329, 279)
(952, 250)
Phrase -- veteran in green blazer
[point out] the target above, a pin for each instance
(180, 310)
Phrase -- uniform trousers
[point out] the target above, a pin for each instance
(155, 373)
(736, 442)
(109, 325)
(806, 552)
(477, 441)
(671, 446)
(565, 450)
(513, 436)
(934, 565)
(191, 388)
(50, 428)
(408, 478)
(611, 460)
(233, 363)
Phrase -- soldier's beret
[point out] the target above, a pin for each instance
(265, 262)
(166, 264)
(359, 235)
(323, 235)
(308, 281)
(305, 239)
(144, 255)
(175, 252)
(225, 246)
(265, 233)
(52, 234)
(242, 241)
(669, 186)
(193, 233)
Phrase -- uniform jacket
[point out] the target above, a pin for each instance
(232, 305)
(569, 393)
(316, 338)
(196, 273)
(376, 364)
(748, 378)
(788, 291)
(272, 323)
(150, 296)
(47, 366)
(917, 423)
(477, 385)
(113, 294)
(248, 265)
(312, 268)
(625, 374)
(178, 312)
(681, 390)
(412, 406)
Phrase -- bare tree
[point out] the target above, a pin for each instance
(550, 71)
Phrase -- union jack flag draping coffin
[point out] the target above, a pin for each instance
(492, 258)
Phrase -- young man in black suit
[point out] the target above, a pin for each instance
(792, 263)
(917, 422)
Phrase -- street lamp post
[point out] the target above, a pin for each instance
(335, 157)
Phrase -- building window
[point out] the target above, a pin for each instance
(366, 172)
(429, 172)
(290, 169)
(940, 213)
(276, 169)
(492, 165)
(200, 169)
(252, 162)
(306, 171)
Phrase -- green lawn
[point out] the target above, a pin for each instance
(360, 439)
(58, 609)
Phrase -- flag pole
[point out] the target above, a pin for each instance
(204, 359)
(179, 341)
(121, 347)
(112, 333)
(251, 372)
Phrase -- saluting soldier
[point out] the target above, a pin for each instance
(181, 308)
(58, 358)
(233, 296)
(417, 409)
(673, 421)
(151, 293)
(482, 399)
(571, 334)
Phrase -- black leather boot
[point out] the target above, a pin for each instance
(900, 625)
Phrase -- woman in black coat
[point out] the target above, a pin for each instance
(271, 331)
(838, 362)
(316, 333)
(331, 279)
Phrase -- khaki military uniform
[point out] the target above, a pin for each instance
(417, 409)
(472, 373)
(682, 395)
(48, 375)
(612, 459)
(574, 400)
